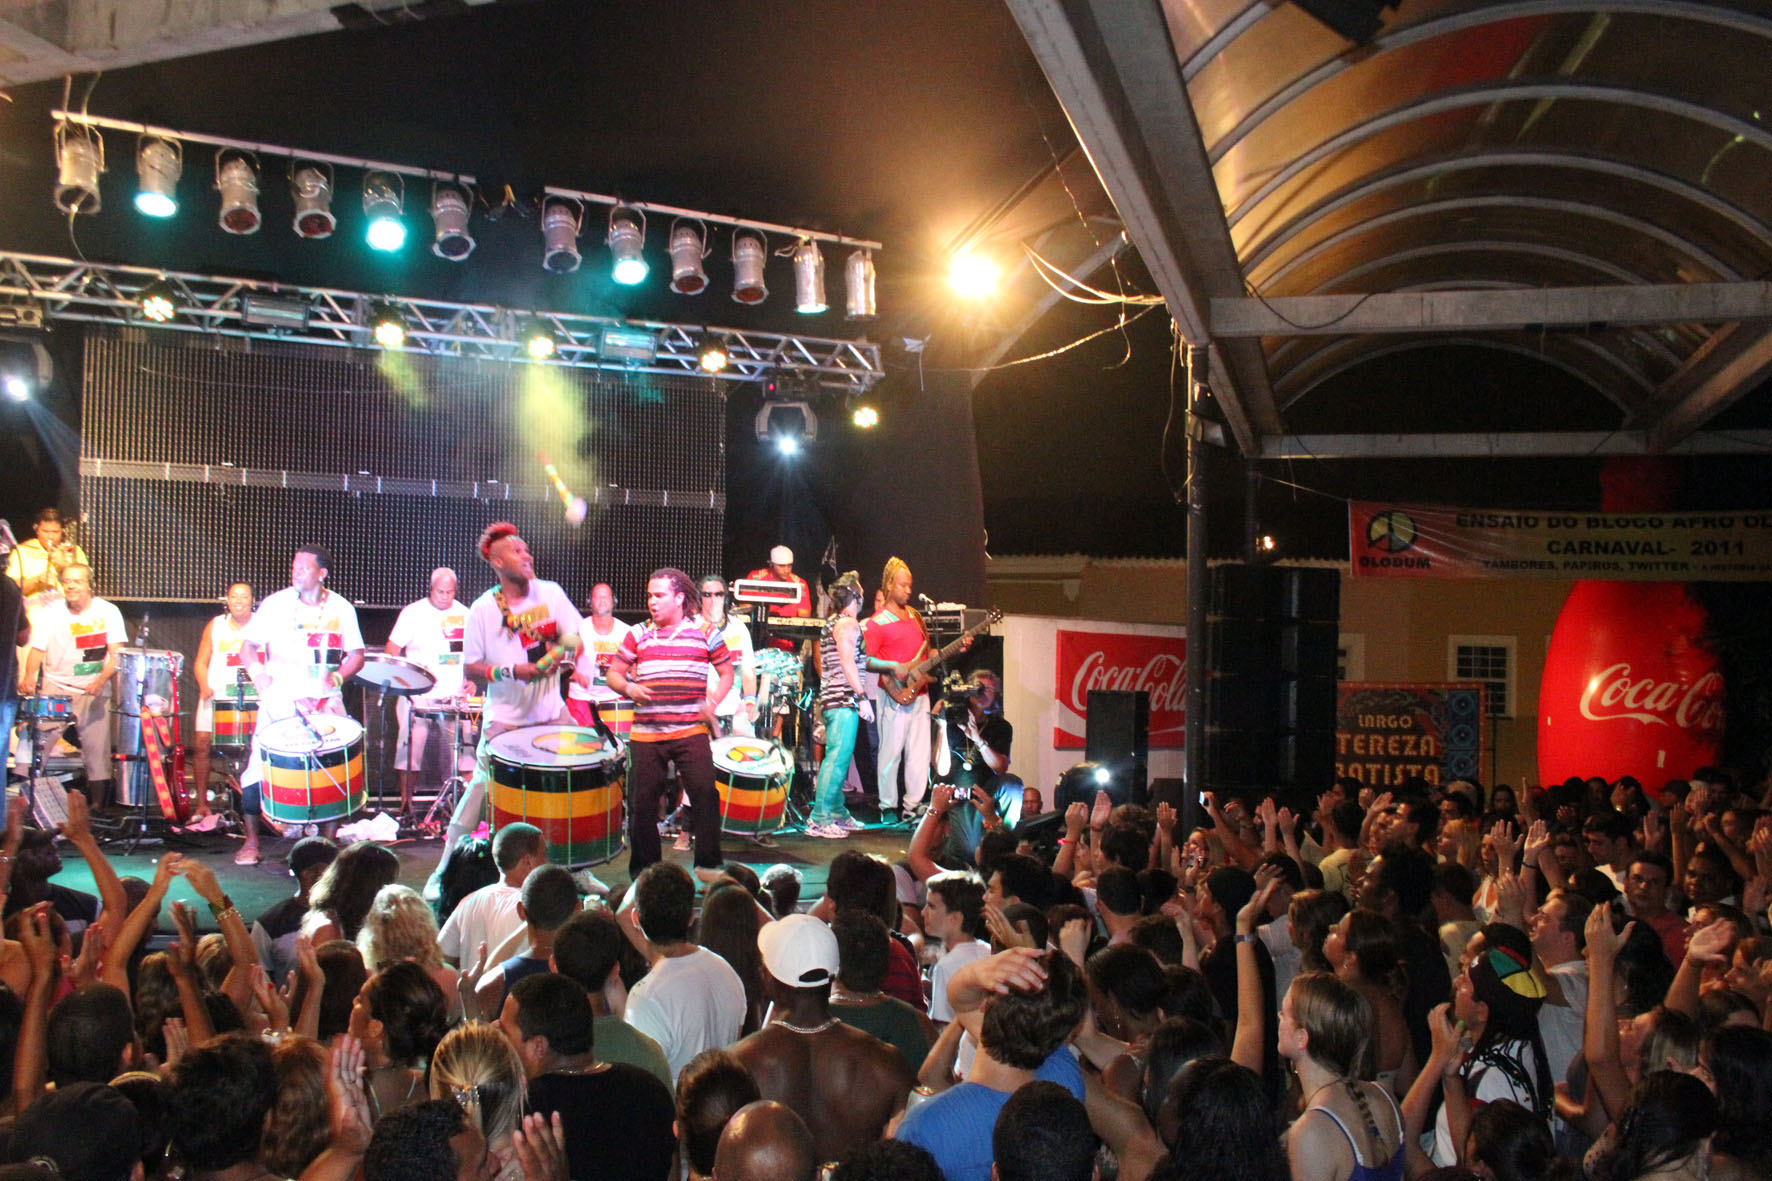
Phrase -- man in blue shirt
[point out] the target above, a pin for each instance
(1032, 1003)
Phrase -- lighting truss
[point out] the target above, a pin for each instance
(101, 293)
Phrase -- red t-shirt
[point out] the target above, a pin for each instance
(887, 637)
(800, 608)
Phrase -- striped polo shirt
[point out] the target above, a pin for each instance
(672, 662)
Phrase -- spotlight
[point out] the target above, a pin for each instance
(809, 279)
(25, 368)
(973, 275)
(158, 165)
(79, 158)
(17, 388)
(449, 213)
(858, 275)
(748, 256)
(789, 425)
(311, 189)
(560, 222)
(538, 342)
(787, 445)
(158, 301)
(688, 248)
(390, 330)
(384, 197)
(1103, 775)
(866, 417)
(714, 358)
(237, 177)
(627, 241)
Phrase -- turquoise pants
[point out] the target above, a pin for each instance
(839, 749)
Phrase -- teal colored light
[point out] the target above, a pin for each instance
(629, 271)
(155, 204)
(386, 233)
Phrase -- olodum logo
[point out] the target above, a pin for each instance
(1392, 531)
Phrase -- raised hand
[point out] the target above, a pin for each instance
(1018, 969)
(1073, 939)
(1537, 841)
(1711, 943)
(1002, 932)
(1448, 1047)
(1507, 844)
(1603, 943)
(78, 826)
(1098, 815)
(84, 969)
(1166, 818)
(178, 1039)
(540, 1147)
(1255, 909)
(346, 1102)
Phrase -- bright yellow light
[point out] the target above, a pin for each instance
(866, 416)
(390, 333)
(973, 275)
(540, 345)
(714, 360)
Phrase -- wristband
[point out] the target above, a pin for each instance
(1247, 937)
(221, 916)
(218, 909)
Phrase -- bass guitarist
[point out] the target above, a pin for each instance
(894, 639)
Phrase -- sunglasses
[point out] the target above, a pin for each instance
(713, 594)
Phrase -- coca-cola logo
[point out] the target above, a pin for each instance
(1615, 695)
(1163, 675)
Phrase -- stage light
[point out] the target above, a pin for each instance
(748, 257)
(1103, 775)
(237, 179)
(858, 276)
(79, 158)
(560, 222)
(384, 198)
(787, 445)
(809, 279)
(25, 368)
(688, 248)
(638, 346)
(390, 330)
(627, 243)
(158, 165)
(866, 417)
(158, 301)
(789, 425)
(17, 388)
(714, 357)
(538, 342)
(311, 189)
(973, 275)
(449, 213)
(1266, 543)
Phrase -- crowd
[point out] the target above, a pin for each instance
(1433, 982)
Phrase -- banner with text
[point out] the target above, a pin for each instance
(1417, 541)
(1114, 660)
(1387, 733)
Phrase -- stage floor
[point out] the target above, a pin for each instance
(255, 889)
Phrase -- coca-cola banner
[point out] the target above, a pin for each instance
(1388, 540)
(1387, 733)
(1111, 660)
(1630, 686)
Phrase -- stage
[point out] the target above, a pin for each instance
(254, 889)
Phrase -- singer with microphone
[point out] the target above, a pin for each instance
(301, 647)
(520, 639)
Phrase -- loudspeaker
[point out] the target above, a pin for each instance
(1357, 20)
(1311, 594)
(1118, 736)
(1244, 592)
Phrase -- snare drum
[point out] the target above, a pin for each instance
(309, 780)
(47, 708)
(567, 781)
(752, 776)
(234, 723)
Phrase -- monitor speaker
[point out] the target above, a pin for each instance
(1118, 736)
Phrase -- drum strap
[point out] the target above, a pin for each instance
(158, 733)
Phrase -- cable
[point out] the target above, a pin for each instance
(1043, 265)
(1117, 326)
(1256, 295)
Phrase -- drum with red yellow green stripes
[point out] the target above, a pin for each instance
(752, 776)
(618, 715)
(234, 723)
(313, 769)
(567, 781)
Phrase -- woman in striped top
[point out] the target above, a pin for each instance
(841, 701)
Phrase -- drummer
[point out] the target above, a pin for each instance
(300, 649)
(219, 669)
(602, 639)
(520, 634)
(430, 632)
(74, 641)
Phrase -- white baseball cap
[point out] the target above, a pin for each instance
(799, 950)
(781, 555)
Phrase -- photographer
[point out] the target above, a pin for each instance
(973, 792)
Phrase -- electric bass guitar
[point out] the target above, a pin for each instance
(904, 692)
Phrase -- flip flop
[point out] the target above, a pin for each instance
(246, 858)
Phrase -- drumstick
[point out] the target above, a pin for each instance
(575, 505)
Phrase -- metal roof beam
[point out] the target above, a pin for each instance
(1114, 69)
(1541, 307)
(1507, 445)
(1735, 361)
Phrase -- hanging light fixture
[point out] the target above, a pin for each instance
(539, 342)
(384, 199)
(561, 220)
(236, 175)
(809, 279)
(311, 189)
(748, 255)
(865, 417)
(858, 276)
(389, 329)
(627, 244)
(449, 213)
(688, 248)
(714, 355)
(158, 301)
(158, 165)
(79, 158)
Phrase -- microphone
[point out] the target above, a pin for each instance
(141, 632)
(927, 603)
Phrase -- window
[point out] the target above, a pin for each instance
(1489, 659)
(1350, 658)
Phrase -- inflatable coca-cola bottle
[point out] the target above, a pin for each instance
(1629, 686)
